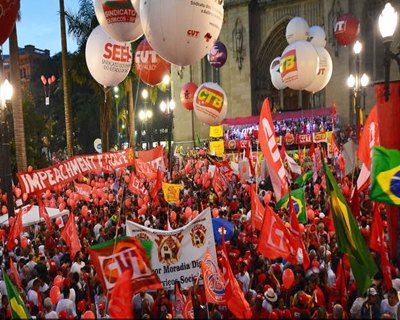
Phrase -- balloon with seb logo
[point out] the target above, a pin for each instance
(299, 64)
(346, 30)
(119, 19)
(182, 32)
(108, 60)
(217, 55)
(149, 66)
(296, 29)
(8, 16)
(210, 103)
(187, 95)
(275, 74)
(324, 73)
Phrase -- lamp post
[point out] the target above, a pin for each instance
(145, 116)
(116, 97)
(6, 91)
(167, 107)
(358, 83)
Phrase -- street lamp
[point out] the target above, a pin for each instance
(144, 117)
(6, 91)
(116, 97)
(167, 107)
(387, 26)
(358, 83)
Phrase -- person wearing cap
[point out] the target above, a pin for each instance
(270, 299)
(371, 308)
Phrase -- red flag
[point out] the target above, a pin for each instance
(311, 151)
(296, 234)
(17, 228)
(156, 186)
(179, 301)
(15, 274)
(270, 150)
(275, 239)
(257, 209)
(369, 138)
(219, 183)
(248, 156)
(341, 283)
(355, 203)
(378, 244)
(145, 170)
(70, 236)
(83, 190)
(121, 297)
(43, 212)
(188, 312)
(234, 296)
(136, 186)
(213, 279)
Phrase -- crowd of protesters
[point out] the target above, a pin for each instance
(43, 260)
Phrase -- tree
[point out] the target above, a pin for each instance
(18, 114)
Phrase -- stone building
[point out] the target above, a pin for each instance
(254, 34)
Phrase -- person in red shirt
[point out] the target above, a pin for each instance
(258, 311)
(315, 291)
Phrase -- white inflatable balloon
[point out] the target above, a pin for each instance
(324, 73)
(297, 29)
(182, 32)
(317, 36)
(118, 19)
(108, 60)
(276, 78)
(136, 5)
(299, 65)
(210, 103)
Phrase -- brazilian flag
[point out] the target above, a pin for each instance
(385, 175)
(298, 203)
(348, 235)
(304, 178)
(18, 308)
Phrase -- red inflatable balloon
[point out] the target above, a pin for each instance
(58, 281)
(8, 16)
(55, 294)
(44, 80)
(149, 66)
(346, 30)
(84, 211)
(287, 278)
(88, 315)
(24, 242)
(172, 215)
(187, 95)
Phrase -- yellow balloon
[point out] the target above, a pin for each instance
(296, 156)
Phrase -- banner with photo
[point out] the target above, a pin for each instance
(176, 254)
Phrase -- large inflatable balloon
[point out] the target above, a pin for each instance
(119, 19)
(317, 36)
(8, 15)
(324, 73)
(275, 74)
(108, 60)
(346, 30)
(136, 4)
(182, 32)
(297, 29)
(149, 66)
(217, 55)
(187, 95)
(210, 103)
(299, 65)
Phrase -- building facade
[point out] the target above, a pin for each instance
(253, 32)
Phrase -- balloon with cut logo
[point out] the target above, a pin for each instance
(210, 103)
(108, 60)
(8, 17)
(187, 95)
(119, 19)
(297, 29)
(182, 32)
(217, 55)
(275, 74)
(347, 28)
(317, 36)
(299, 65)
(149, 66)
(324, 74)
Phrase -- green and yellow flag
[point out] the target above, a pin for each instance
(298, 203)
(304, 178)
(18, 308)
(348, 235)
(385, 175)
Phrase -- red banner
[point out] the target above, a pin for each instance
(83, 190)
(69, 170)
(154, 157)
(269, 147)
(304, 139)
(136, 186)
